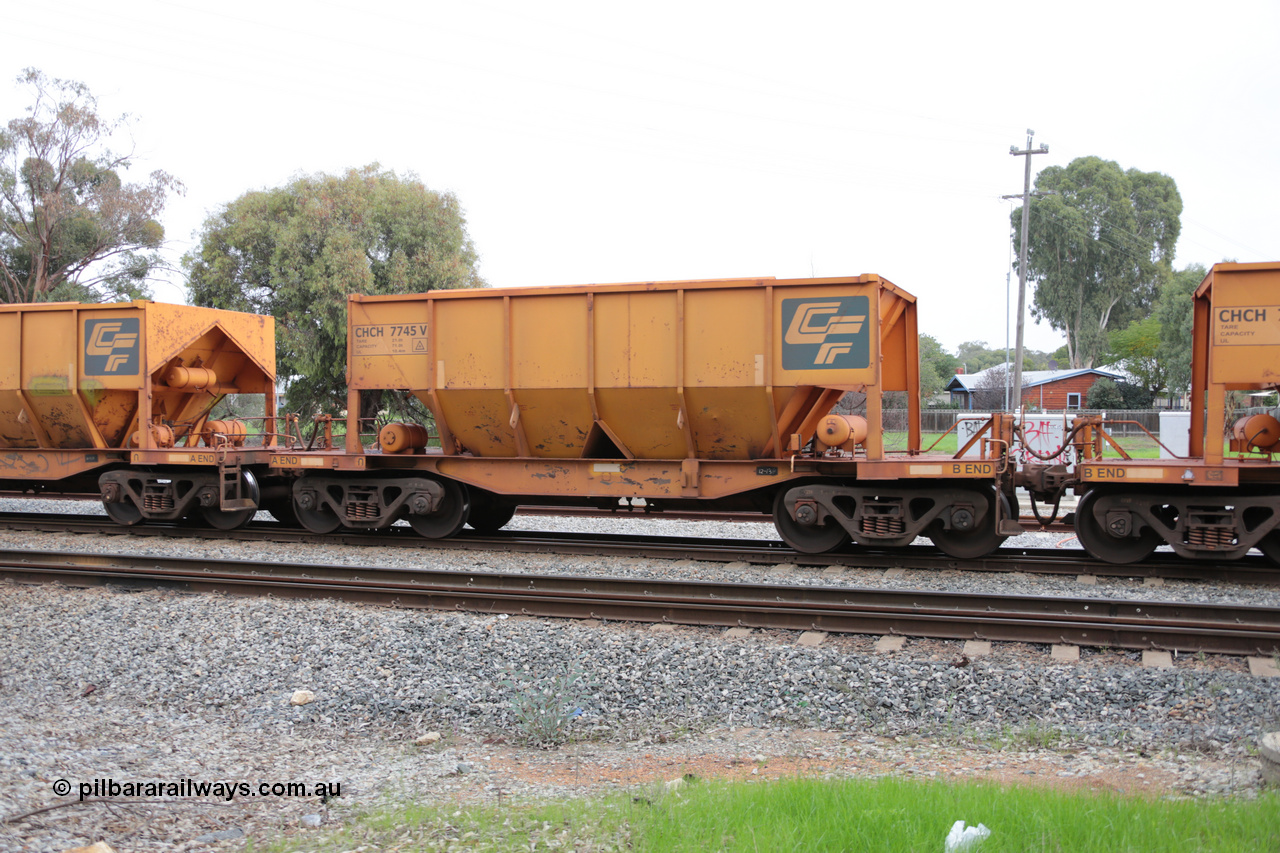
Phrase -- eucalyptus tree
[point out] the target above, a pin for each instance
(1175, 314)
(297, 251)
(71, 228)
(1100, 246)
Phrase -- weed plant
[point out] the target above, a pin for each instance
(546, 706)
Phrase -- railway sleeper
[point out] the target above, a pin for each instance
(131, 496)
(1123, 527)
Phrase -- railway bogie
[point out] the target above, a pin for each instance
(962, 520)
(434, 507)
(131, 496)
(1124, 525)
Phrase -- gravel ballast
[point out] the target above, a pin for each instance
(366, 665)
(160, 685)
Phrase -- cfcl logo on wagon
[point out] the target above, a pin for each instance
(826, 334)
(111, 347)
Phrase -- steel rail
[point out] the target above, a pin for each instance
(1028, 522)
(1251, 570)
(629, 513)
(1181, 626)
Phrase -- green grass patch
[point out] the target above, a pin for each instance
(898, 441)
(1137, 446)
(1144, 447)
(883, 815)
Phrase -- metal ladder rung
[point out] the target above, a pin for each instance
(230, 485)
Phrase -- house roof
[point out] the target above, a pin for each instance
(1030, 378)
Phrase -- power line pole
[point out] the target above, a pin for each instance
(1007, 377)
(1022, 256)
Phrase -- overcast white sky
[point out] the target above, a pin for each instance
(601, 142)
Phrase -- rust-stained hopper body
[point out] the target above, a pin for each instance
(705, 370)
(82, 386)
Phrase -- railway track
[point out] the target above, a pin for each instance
(1252, 570)
(1029, 523)
(1215, 628)
(619, 512)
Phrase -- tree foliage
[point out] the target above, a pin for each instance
(976, 356)
(1099, 247)
(1107, 394)
(70, 227)
(1174, 313)
(1104, 394)
(937, 366)
(1135, 396)
(297, 251)
(1137, 347)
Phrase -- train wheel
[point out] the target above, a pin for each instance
(490, 518)
(310, 510)
(126, 513)
(224, 520)
(449, 518)
(971, 544)
(806, 538)
(320, 520)
(1101, 545)
(221, 519)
